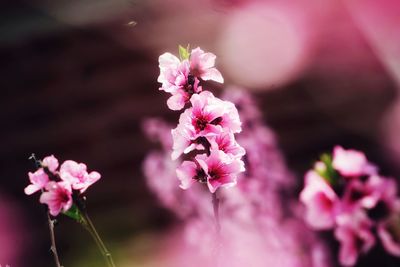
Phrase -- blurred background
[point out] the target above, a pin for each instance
(79, 76)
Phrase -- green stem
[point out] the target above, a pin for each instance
(87, 223)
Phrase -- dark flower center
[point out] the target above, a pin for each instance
(200, 176)
(216, 121)
(201, 123)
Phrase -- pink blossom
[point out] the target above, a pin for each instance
(320, 201)
(173, 73)
(38, 179)
(188, 173)
(380, 190)
(51, 163)
(209, 113)
(209, 116)
(227, 143)
(184, 137)
(176, 79)
(351, 163)
(77, 175)
(355, 236)
(202, 65)
(58, 197)
(220, 169)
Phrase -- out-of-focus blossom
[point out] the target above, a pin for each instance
(366, 204)
(50, 163)
(38, 179)
(77, 176)
(351, 163)
(320, 200)
(355, 236)
(58, 197)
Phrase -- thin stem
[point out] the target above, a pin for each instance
(53, 247)
(87, 222)
(215, 202)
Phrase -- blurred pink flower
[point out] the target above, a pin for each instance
(51, 163)
(38, 179)
(221, 170)
(351, 163)
(355, 236)
(320, 201)
(202, 65)
(77, 176)
(58, 197)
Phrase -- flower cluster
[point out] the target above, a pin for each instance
(345, 192)
(58, 185)
(207, 127)
(254, 213)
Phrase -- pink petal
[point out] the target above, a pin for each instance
(212, 74)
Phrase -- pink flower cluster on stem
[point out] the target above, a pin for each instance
(259, 226)
(346, 193)
(206, 129)
(57, 185)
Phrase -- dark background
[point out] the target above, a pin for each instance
(80, 90)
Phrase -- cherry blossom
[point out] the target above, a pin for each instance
(38, 179)
(351, 163)
(58, 197)
(220, 169)
(320, 201)
(77, 176)
(202, 65)
(355, 237)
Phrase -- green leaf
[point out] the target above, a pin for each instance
(184, 52)
(329, 173)
(74, 213)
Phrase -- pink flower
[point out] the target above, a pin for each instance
(351, 163)
(227, 143)
(76, 174)
(188, 173)
(355, 236)
(51, 163)
(220, 169)
(38, 179)
(58, 197)
(184, 137)
(173, 73)
(210, 114)
(202, 65)
(380, 191)
(176, 79)
(320, 201)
